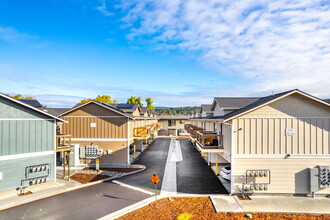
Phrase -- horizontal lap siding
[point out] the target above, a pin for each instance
(287, 175)
(26, 136)
(267, 136)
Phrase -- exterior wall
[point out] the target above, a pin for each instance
(291, 106)
(287, 175)
(263, 130)
(13, 171)
(119, 150)
(260, 141)
(26, 136)
(175, 124)
(80, 127)
(9, 109)
(137, 112)
(267, 136)
(110, 132)
(218, 111)
(109, 124)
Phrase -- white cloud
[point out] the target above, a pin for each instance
(11, 34)
(274, 45)
(103, 8)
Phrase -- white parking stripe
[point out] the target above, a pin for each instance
(132, 187)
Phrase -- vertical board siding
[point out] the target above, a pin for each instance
(26, 136)
(267, 136)
(79, 127)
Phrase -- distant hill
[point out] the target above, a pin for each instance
(175, 110)
(327, 100)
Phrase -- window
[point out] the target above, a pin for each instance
(169, 123)
(181, 122)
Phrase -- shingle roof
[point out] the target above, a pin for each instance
(144, 110)
(206, 108)
(32, 102)
(257, 103)
(56, 111)
(235, 102)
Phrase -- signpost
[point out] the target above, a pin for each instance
(155, 179)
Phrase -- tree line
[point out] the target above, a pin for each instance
(175, 111)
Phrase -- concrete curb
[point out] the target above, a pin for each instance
(110, 178)
(146, 202)
(65, 190)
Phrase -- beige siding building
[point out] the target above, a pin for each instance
(102, 125)
(285, 134)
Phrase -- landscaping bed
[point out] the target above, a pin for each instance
(88, 174)
(185, 208)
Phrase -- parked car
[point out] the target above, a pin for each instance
(226, 172)
(183, 132)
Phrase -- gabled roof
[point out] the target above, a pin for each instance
(144, 110)
(267, 100)
(102, 104)
(32, 102)
(206, 108)
(55, 111)
(233, 102)
(31, 107)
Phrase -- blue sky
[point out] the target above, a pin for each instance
(178, 52)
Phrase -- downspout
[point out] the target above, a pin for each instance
(128, 137)
(55, 150)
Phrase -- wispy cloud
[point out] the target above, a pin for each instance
(103, 8)
(11, 34)
(274, 45)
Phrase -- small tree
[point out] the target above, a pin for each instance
(134, 100)
(100, 98)
(19, 96)
(149, 103)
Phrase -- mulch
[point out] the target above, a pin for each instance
(88, 178)
(201, 208)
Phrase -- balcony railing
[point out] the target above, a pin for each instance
(63, 142)
(209, 140)
(192, 130)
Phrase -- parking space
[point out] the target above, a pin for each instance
(194, 175)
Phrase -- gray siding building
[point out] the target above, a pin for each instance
(27, 144)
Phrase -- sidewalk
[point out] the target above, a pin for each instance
(278, 204)
(9, 198)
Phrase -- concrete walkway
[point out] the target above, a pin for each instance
(278, 204)
(9, 198)
(169, 185)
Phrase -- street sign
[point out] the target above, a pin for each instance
(154, 178)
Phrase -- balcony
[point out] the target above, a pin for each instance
(142, 132)
(209, 140)
(63, 142)
(192, 129)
